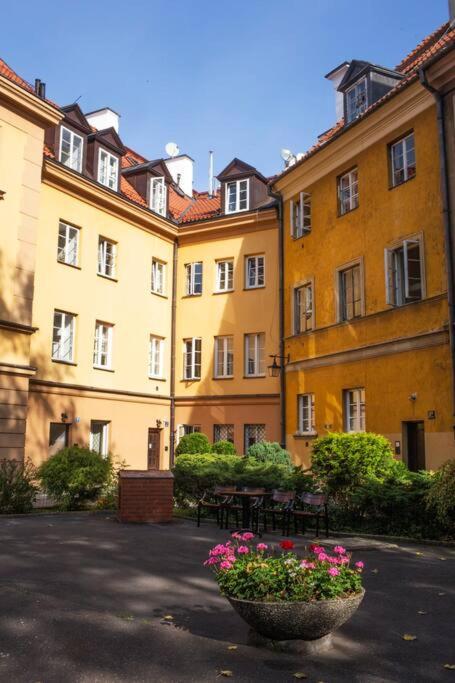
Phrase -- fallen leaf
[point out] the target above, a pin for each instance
(408, 636)
(422, 611)
(449, 666)
(375, 571)
(443, 558)
(126, 617)
(226, 673)
(299, 674)
(232, 647)
(441, 594)
(169, 617)
(419, 553)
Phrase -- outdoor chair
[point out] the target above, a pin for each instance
(280, 506)
(217, 499)
(255, 503)
(313, 505)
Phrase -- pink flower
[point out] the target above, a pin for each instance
(243, 549)
(332, 560)
(236, 534)
(261, 547)
(210, 561)
(317, 549)
(359, 565)
(307, 565)
(333, 571)
(339, 550)
(322, 557)
(247, 536)
(225, 565)
(343, 560)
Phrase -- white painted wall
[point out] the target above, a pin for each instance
(104, 118)
(336, 79)
(182, 165)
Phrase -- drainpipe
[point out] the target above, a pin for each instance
(173, 318)
(449, 236)
(279, 198)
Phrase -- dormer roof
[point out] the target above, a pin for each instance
(75, 117)
(109, 138)
(238, 169)
(359, 68)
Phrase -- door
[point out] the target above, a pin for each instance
(153, 451)
(415, 439)
(58, 437)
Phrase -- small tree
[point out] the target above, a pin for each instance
(224, 448)
(74, 475)
(193, 443)
(269, 452)
(17, 486)
(440, 498)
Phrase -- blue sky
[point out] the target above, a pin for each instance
(244, 78)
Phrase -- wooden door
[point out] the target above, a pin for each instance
(415, 433)
(153, 451)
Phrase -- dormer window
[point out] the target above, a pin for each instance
(71, 146)
(108, 169)
(158, 192)
(237, 198)
(356, 100)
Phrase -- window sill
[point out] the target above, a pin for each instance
(157, 379)
(346, 213)
(231, 213)
(223, 291)
(71, 265)
(223, 377)
(305, 435)
(101, 367)
(63, 362)
(163, 296)
(247, 289)
(191, 296)
(253, 376)
(107, 277)
(403, 182)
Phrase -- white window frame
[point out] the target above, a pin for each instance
(400, 147)
(237, 185)
(156, 357)
(110, 176)
(398, 285)
(339, 291)
(57, 351)
(306, 414)
(307, 285)
(104, 333)
(104, 436)
(224, 275)
(192, 370)
(352, 190)
(358, 110)
(103, 265)
(64, 252)
(190, 278)
(158, 200)
(300, 220)
(256, 342)
(224, 347)
(354, 397)
(185, 429)
(158, 278)
(256, 283)
(74, 164)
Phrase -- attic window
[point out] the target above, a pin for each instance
(158, 195)
(71, 149)
(356, 100)
(108, 169)
(237, 196)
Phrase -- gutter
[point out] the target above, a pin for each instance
(449, 236)
(173, 322)
(279, 198)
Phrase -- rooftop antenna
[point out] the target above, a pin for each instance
(172, 149)
(211, 173)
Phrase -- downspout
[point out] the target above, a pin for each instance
(173, 319)
(279, 198)
(449, 237)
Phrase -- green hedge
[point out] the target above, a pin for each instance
(193, 443)
(269, 452)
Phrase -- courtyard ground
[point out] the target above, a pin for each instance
(83, 599)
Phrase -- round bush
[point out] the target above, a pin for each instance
(193, 443)
(74, 475)
(224, 448)
(269, 452)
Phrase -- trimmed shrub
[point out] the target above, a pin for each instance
(193, 443)
(75, 475)
(269, 452)
(224, 448)
(440, 499)
(17, 486)
(196, 472)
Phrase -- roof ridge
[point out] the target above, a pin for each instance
(422, 46)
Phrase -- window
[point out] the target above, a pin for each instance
(224, 356)
(107, 252)
(301, 215)
(224, 276)
(237, 196)
(63, 336)
(71, 146)
(404, 273)
(102, 353)
(306, 423)
(350, 293)
(193, 278)
(223, 433)
(254, 271)
(59, 437)
(403, 160)
(68, 244)
(254, 354)
(183, 430)
(99, 437)
(303, 308)
(192, 358)
(156, 357)
(356, 100)
(158, 192)
(253, 434)
(158, 276)
(354, 410)
(348, 192)
(108, 169)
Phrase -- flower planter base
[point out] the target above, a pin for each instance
(294, 647)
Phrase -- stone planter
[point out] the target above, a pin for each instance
(308, 621)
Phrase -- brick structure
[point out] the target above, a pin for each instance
(146, 495)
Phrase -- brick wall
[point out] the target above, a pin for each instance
(146, 496)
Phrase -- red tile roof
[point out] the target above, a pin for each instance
(7, 72)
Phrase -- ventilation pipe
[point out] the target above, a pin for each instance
(211, 173)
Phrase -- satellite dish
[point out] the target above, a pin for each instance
(172, 149)
(286, 154)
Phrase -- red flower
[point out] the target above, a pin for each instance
(287, 545)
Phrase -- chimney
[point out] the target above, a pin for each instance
(181, 169)
(336, 76)
(103, 118)
(40, 88)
